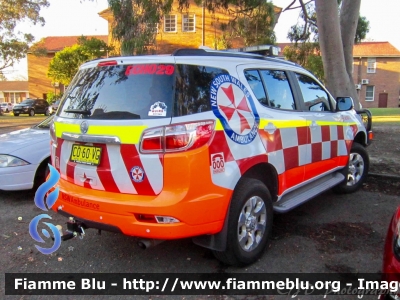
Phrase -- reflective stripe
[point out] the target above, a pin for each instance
(154, 170)
(120, 174)
(88, 174)
(284, 123)
(127, 134)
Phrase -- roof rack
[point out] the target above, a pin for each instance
(227, 53)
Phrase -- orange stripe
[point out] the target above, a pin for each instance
(320, 167)
(290, 179)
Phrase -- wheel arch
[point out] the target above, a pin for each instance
(361, 138)
(264, 172)
(38, 179)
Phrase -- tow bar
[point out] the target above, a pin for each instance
(74, 229)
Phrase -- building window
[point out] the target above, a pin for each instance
(369, 93)
(153, 27)
(170, 23)
(371, 68)
(188, 23)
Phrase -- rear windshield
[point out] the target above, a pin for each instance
(120, 92)
(140, 91)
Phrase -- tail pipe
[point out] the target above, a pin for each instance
(147, 243)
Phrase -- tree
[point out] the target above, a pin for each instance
(14, 44)
(253, 21)
(306, 49)
(135, 22)
(66, 62)
(336, 36)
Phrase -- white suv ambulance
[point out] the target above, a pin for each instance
(201, 144)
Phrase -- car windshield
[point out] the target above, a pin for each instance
(27, 101)
(44, 124)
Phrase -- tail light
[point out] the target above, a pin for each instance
(107, 63)
(53, 137)
(178, 137)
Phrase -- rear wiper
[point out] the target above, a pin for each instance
(78, 111)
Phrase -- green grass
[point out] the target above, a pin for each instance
(385, 112)
(10, 118)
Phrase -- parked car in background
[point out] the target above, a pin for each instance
(32, 107)
(391, 255)
(54, 106)
(24, 157)
(6, 106)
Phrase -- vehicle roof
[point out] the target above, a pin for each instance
(200, 55)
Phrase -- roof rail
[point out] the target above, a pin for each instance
(206, 52)
(266, 50)
(226, 53)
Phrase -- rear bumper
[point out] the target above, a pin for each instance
(204, 214)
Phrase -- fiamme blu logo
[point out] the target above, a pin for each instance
(45, 203)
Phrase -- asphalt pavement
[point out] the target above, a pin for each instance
(330, 233)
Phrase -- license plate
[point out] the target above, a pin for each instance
(88, 155)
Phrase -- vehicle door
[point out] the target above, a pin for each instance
(283, 131)
(37, 106)
(329, 136)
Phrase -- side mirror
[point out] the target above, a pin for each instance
(344, 103)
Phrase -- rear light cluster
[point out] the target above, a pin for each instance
(156, 219)
(53, 137)
(178, 137)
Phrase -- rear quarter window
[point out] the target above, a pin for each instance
(192, 93)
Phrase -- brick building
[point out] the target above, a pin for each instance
(39, 84)
(189, 28)
(13, 91)
(376, 74)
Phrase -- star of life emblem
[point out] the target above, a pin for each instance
(233, 105)
(137, 174)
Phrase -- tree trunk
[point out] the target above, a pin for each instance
(349, 14)
(333, 54)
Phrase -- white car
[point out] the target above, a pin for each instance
(6, 106)
(24, 157)
(55, 105)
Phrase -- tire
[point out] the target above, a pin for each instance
(7, 111)
(356, 170)
(249, 225)
(31, 113)
(16, 115)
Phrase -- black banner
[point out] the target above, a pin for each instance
(198, 284)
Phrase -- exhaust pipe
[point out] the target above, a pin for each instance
(147, 243)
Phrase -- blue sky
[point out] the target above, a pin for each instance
(76, 17)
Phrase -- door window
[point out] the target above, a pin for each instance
(314, 96)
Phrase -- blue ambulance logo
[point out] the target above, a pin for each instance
(233, 105)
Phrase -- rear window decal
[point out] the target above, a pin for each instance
(233, 105)
(150, 69)
(158, 109)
